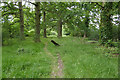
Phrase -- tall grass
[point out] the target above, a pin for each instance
(0, 62)
(80, 58)
(84, 60)
(32, 63)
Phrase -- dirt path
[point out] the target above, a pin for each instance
(60, 66)
(57, 64)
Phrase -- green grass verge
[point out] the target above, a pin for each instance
(32, 63)
(0, 62)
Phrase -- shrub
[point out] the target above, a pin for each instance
(94, 35)
(109, 43)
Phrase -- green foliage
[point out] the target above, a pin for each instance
(94, 35)
(76, 16)
(9, 31)
(105, 36)
(15, 30)
(109, 43)
(5, 31)
(29, 33)
(29, 22)
(115, 33)
(76, 32)
(113, 50)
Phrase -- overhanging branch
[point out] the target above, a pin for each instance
(99, 5)
(31, 3)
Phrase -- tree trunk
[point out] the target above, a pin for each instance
(84, 34)
(119, 27)
(119, 21)
(106, 24)
(44, 25)
(60, 28)
(21, 22)
(37, 22)
(86, 25)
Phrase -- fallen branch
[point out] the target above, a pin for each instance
(56, 44)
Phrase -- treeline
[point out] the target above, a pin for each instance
(98, 21)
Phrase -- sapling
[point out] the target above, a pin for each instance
(20, 50)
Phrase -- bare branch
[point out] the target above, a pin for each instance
(9, 13)
(31, 3)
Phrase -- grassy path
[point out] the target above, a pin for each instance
(60, 66)
(56, 68)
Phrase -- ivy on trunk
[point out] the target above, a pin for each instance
(106, 24)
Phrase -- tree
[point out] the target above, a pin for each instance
(37, 21)
(21, 22)
(59, 12)
(10, 19)
(43, 6)
(59, 27)
(63, 15)
(119, 21)
(44, 14)
(106, 23)
(86, 25)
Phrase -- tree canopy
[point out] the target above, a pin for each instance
(94, 20)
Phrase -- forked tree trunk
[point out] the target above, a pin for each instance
(37, 22)
(44, 25)
(59, 28)
(21, 22)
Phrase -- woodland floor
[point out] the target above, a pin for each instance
(74, 58)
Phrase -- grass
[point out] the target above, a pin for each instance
(32, 63)
(84, 60)
(80, 58)
(0, 62)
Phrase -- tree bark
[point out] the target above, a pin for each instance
(44, 14)
(86, 25)
(84, 34)
(106, 24)
(60, 28)
(37, 22)
(21, 21)
(119, 21)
